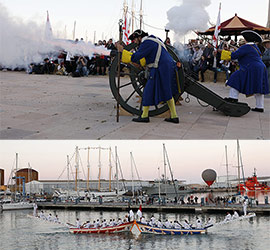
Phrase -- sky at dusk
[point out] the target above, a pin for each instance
(103, 16)
(187, 158)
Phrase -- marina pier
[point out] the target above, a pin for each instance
(174, 208)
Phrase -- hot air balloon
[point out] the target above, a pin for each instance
(209, 176)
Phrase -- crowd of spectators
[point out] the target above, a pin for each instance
(203, 56)
(77, 65)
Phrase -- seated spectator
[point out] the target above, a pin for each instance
(48, 67)
(81, 66)
(194, 62)
(61, 70)
(225, 66)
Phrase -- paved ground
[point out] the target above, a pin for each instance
(59, 107)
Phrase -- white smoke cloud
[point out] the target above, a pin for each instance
(23, 43)
(190, 15)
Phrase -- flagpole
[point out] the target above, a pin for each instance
(141, 16)
(217, 29)
(118, 70)
(74, 30)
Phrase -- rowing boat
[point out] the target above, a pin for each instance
(125, 227)
(140, 228)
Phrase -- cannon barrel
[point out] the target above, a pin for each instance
(133, 82)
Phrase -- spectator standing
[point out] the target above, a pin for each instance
(266, 60)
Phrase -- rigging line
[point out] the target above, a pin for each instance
(80, 161)
(64, 169)
(11, 172)
(136, 171)
(153, 27)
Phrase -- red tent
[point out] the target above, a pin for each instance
(235, 25)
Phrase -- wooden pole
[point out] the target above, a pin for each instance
(88, 168)
(118, 70)
(110, 170)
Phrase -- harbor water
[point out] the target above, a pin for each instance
(19, 230)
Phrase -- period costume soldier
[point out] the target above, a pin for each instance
(161, 84)
(251, 78)
(266, 60)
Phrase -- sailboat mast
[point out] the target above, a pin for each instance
(159, 183)
(88, 167)
(227, 170)
(241, 162)
(238, 161)
(76, 167)
(99, 167)
(165, 151)
(74, 30)
(110, 170)
(68, 174)
(132, 178)
(133, 17)
(16, 170)
(141, 16)
(116, 166)
(165, 175)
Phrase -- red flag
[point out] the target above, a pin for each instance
(217, 29)
(140, 208)
(126, 32)
(48, 29)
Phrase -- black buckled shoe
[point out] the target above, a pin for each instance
(173, 120)
(258, 110)
(232, 100)
(140, 119)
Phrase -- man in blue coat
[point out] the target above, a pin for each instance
(251, 78)
(161, 84)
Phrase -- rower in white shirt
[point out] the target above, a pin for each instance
(235, 215)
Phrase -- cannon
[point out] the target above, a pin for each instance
(133, 81)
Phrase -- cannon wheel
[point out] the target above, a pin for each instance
(132, 84)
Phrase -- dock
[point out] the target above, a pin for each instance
(263, 209)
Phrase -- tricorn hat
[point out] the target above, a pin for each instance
(251, 36)
(266, 41)
(137, 33)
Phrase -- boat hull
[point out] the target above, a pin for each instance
(17, 206)
(125, 227)
(146, 229)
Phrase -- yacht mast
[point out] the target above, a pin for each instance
(167, 158)
(116, 166)
(76, 167)
(88, 167)
(110, 170)
(227, 169)
(68, 175)
(131, 164)
(141, 16)
(99, 166)
(133, 17)
(238, 166)
(16, 170)
(165, 175)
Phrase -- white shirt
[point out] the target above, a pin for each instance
(159, 224)
(235, 215)
(186, 225)
(198, 223)
(228, 217)
(176, 225)
(78, 224)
